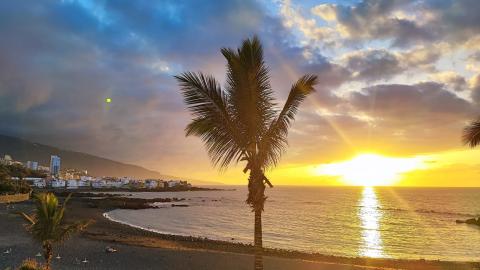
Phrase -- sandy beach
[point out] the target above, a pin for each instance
(157, 251)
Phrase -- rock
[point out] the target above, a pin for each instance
(110, 249)
(472, 221)
(129, 203)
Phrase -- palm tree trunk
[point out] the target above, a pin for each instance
(47, 254)
(258, 240)
(256, 199)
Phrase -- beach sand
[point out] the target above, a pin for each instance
(138, 249)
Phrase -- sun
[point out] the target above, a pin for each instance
(371, 169)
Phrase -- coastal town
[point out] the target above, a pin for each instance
(54, 177)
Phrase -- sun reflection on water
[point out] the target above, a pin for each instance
(370, 224)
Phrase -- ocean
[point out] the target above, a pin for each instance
(381, 222)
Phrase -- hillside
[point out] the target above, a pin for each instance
(23, 150)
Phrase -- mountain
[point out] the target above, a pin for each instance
(24, 151)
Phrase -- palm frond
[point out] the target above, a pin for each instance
(275, 140)
(47, 225)
(471, 134)
(30, 219)
(67, 230)
(212, 121)
(249, 91)
(58, 215)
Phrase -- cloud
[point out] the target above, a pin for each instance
(473, 62)
(372, 65)
(377, 19)
(403, 23)
(308, 28)
(59, 60)
(427, 102)
(474, 83)
(381, 64)
(451, 79)
(327, 12)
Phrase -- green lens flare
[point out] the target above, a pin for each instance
(108, 100)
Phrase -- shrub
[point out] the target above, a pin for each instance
(30, 264)
(7, 186)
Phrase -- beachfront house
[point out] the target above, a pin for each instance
(72, 184)
(125, 181)
(173, 183)
(136, 184)
(99, 183)
(36, 182)
(151, 183)
(83, 183)
(112, 183)
(86, 178)
(58, 183)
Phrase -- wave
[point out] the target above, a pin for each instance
(427, 211)
(107, 216)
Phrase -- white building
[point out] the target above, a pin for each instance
(32, 165)
(58, 183)
(125, 181)
(40, 183)
(43, 168)
(72, 184)
(7, 160)
(34, 181)
(173, 183)
(54, 165)
(83, 183)
(114, 184)
(99, 184)
(86, 178)
(151, 183)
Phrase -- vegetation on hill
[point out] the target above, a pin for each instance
(9, 186)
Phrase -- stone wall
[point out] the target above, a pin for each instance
(14, 198)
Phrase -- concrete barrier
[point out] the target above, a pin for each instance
(14, 198)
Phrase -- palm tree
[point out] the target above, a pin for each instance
(47, 224)
(240, 121)
(471, 134)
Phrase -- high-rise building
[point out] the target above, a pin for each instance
(54, 165)
(32, 165)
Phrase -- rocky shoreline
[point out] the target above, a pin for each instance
(106, 201)
(471, 221)
(126, 190)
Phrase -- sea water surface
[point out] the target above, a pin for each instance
(407, 223)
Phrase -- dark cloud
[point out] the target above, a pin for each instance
(373, 65)
(405, 23)
(455, 20)
(371, 19)
(427, 102)
(418, 117)
(379, 64)
(60, 60)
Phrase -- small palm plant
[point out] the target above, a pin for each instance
(240, 122)
(47, 224)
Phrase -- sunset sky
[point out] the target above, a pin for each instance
(396, 78)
